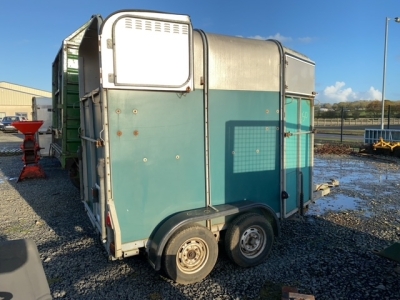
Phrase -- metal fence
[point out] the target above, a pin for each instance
(347, 122)
(372, 136)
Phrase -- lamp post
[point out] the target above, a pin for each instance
(397, 20)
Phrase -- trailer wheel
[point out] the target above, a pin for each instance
(249, 239)
(190, 254)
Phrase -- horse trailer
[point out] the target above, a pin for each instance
(190, 138)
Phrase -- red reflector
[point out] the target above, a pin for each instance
(108, 221)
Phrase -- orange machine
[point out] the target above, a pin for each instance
(30, 149)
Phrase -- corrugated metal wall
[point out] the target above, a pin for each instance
(17, 98)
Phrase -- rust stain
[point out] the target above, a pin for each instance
(136, 133)
(119, 133)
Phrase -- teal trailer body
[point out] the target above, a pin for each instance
(182, 127)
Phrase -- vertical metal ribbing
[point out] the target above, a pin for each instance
(109, 203)
(82, 132)
(298, 171)
(311, 146)
(206, 115)
(282, 118)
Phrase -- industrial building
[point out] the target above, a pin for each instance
(16, 100)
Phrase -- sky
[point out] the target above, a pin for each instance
(345, 38)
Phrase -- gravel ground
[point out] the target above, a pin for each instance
(327, 253)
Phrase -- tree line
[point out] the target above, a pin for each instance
(357, 109)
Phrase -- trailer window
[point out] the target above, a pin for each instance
(151, 53)
(300, 76)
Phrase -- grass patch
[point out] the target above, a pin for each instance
(337, 131)
(271, 291)
(344, 144)
(17, 229)
(54, 280)
(155, 296)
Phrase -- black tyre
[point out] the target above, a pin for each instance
(249, 239)
(73, 173)
(190, 254)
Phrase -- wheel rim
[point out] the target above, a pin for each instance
(192, 255)
(253, 241)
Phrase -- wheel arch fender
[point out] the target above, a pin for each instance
(270, 215)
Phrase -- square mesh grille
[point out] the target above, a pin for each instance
(254, 147)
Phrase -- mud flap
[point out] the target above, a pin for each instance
(21, 272)
(392, 252)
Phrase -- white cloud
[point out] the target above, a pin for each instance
(278, 36)
(371, 94)
(337, 93)
(305, 40)
(282, 39)
(258, 37)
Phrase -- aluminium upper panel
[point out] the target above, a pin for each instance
(243, 64)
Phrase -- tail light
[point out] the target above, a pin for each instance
(109, 221)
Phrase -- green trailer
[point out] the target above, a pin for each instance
(191, 138)
(65, 139)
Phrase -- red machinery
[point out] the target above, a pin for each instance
(30, 149)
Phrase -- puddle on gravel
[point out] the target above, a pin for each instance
(4, 179)
(356, 175)
(391, 207)
(344, 171)
(338, 203)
